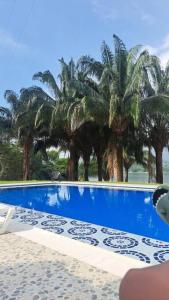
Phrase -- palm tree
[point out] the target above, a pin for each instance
(156, 133)
(150, 160)
(74, 87)
(122, 79)
(51, 118)
(23, 113)
(5, 124)
(132, 149)
(155, 114)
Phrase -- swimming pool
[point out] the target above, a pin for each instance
(125, 210)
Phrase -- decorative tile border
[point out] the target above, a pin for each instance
(144, 249)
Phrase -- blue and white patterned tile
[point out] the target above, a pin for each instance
(120, 242)
(161, 256)
(128, 244)
(89, 240)
(82, 231)
(135, 254)
(155, 243)
(80, 223)
(113, 232)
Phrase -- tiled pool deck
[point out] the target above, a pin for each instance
(29, 271)
(144, 249)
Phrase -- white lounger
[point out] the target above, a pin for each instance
(9, 210)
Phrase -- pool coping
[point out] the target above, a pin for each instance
(148, 187)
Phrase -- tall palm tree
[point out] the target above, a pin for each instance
(156, 132)
(150, 161)
(155, 113)
(132, 149)
(5, 124)
(23, 112)
(122, 79)
(74, 86)
(51, 118)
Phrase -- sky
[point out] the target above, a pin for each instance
(34, 34)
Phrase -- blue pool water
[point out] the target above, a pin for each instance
(126, 210)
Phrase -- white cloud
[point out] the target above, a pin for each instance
(151, 49)
(164, 58)
(162, 51)
(165, 44)
(9, 42)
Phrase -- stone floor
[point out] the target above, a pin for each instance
(29, 271)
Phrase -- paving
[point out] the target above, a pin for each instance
(30, 271)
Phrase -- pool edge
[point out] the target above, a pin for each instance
(86, 184)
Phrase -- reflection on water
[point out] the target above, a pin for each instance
(126, 210)
(52, 200)
(147, 200)
(56, 196)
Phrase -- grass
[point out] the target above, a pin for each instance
(20, 181)
(125, 183)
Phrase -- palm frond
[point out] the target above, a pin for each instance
(90, 66)
(87, 110)
(107, 55)
(59, 120)
(72, 68)
(156, 74)
(43, 118)
(136, 81)
(5, 112)
(166, 78)
(34, 95)
(47, 78)
(120, 64)
(132, 107)
(156, 104)
(12, 98)
(107, 77)
(132, 57)
(113, 108)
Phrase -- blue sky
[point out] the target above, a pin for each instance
(34, 34)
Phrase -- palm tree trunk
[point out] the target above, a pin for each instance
(115, 160)
(159, 163)
(126, 174)
(118, 163)
(73, 163)
(76, 167)
(149, 166)
(26, 158)
(73, 172)
(86, 161)
(100, 167)
(110, 164)
(86, 170)
(105, 172)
